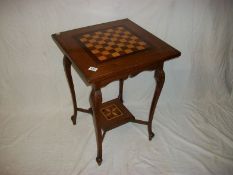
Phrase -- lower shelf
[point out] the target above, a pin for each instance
(113, 114)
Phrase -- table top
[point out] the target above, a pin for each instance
(114, 49)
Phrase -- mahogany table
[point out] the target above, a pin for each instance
(108, 52)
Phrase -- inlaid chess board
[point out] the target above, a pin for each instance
(112, 43)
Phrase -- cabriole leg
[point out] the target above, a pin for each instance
(96, 101)
(67, 68)
(160, 78)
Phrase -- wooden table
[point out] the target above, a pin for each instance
(108, 52)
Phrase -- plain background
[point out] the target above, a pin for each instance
(194, 118)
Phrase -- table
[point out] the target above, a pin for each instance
(108, 52)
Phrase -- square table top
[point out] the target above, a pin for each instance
(111, 49)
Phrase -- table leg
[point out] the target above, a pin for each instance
(160, 78)
(121, 83)
(96, 101)
(67, 67)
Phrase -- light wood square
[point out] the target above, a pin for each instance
(102, 57)
(115, 54)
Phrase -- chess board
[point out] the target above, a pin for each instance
(112, 43)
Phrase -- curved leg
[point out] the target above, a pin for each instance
(96, 100)
(160, 78)
(120, 96)
(67, 67)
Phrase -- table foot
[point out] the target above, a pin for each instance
(99, 160)
(74, 118)
(151, 135)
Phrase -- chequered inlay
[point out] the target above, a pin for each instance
(110, 112)
(112, 42)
